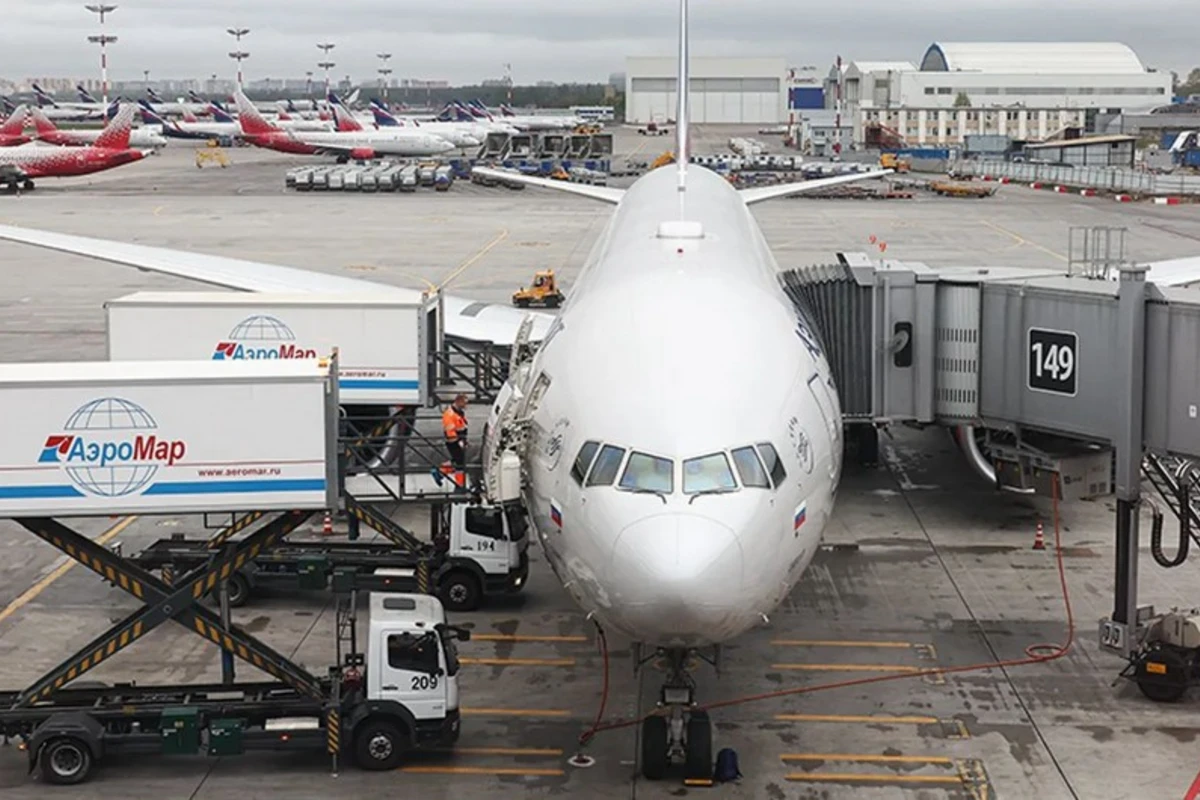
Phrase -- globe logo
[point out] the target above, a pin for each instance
(100, 424)
(261, 328)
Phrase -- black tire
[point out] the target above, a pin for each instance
(1167, 686)
(654, 748)
(66, 761)
(523, 303)
(699, 761)
(239, 591)
(553, 302)
(459, 590)
(379, 745)
(28, 186)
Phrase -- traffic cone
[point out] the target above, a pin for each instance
(1039, 539)
(327, 526)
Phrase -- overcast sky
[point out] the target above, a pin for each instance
(468, 40)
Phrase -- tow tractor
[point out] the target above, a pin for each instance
(653, 129)
(543, 292)
(477, 550)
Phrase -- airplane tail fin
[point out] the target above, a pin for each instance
(42, 123)
(383, 118)
(153, 95)
(506, 111)
(9, 108)
(149, 115)
(249, 117)
(352, 98)
(15, 124)
(115, 135)
(113, 109)
(84, 95)
(188, 116)
(43, 100)
(219, 114)
(195, 98)
(682, 92)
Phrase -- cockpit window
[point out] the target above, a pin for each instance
(584, 460)
(774, 465)
(648, 473)
(606, 466)
(708, 474)
(750, 469)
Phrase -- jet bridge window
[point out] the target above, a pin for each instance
(750, 469)
(646, 473)
(708, 474)
(604, 471)
(774, 464)
(584, 460)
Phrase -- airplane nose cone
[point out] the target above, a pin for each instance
(680, 579)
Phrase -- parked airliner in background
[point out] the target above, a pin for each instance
(525, 122)
(47, 131)
(20, 166)
(459, 135)
(12, 131)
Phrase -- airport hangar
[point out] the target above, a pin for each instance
(723, 90)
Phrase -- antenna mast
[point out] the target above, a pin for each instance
(683, 88)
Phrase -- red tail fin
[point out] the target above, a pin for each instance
(116, 135)
(42, 123)
(249, 117)
(15, 124)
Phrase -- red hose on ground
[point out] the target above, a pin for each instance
(1035, 654)
(587, 735)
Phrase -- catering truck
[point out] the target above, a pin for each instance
(150, 437)
(382, 341)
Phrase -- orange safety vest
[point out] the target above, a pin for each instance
(454, 424)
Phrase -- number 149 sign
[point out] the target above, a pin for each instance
(1053, 361)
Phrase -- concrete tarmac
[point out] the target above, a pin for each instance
(923, 565)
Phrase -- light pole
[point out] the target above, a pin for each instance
(308, 86)
(384, 72)
(238, 55)
(508, 81)
(325, 63)
(146, 77)
(103, 41)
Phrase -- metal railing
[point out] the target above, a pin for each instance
(1105, 179)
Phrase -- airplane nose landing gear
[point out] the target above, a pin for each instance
(678, 734)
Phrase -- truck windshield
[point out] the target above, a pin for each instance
(450, 645)
(518, 522)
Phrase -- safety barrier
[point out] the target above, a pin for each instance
(1107, 179)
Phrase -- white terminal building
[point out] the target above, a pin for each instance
(723, 90)
(1024, 90)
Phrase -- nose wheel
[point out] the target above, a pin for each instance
(679, 734)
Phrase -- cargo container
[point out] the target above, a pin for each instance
(95, 438)
(380, 341)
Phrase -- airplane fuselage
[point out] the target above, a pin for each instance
(682, 348)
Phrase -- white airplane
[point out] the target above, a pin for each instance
(47, 131)
(526, 122)
(678, 488)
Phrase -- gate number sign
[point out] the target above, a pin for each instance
(1053, 361)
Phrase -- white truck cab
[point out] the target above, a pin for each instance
(487, 552)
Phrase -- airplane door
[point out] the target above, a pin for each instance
(833, 423)
(411, 672)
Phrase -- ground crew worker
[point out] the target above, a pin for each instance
(454, 426)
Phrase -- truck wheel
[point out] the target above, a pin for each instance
(239, 591)
(523, 303)
(553, 302)
(66, 761)
(379, 746)
(460, 591)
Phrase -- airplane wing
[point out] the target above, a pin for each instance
(602, 193)
(761, 193)
(464, 318)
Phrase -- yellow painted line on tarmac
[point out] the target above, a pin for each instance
(483, 251)
(847, 668)
(549, 752)
(1019, 239)
(868, 758)
(862, 718)
(516, 771)
(33, 591)
(514, 712)
(503, 637)
(839, 643)
(871, 777)
(520, 662)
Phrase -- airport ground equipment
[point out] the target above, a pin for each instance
(383, 344)
(1166, 660)
(475, 550)
(951, 189)
(211, 155)
(654, 129)
(1079, 385)
(895, 162)
(543, 292)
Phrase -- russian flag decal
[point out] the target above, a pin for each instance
(801, 515)
(555, 513)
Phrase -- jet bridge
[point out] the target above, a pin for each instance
(1051, 382)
